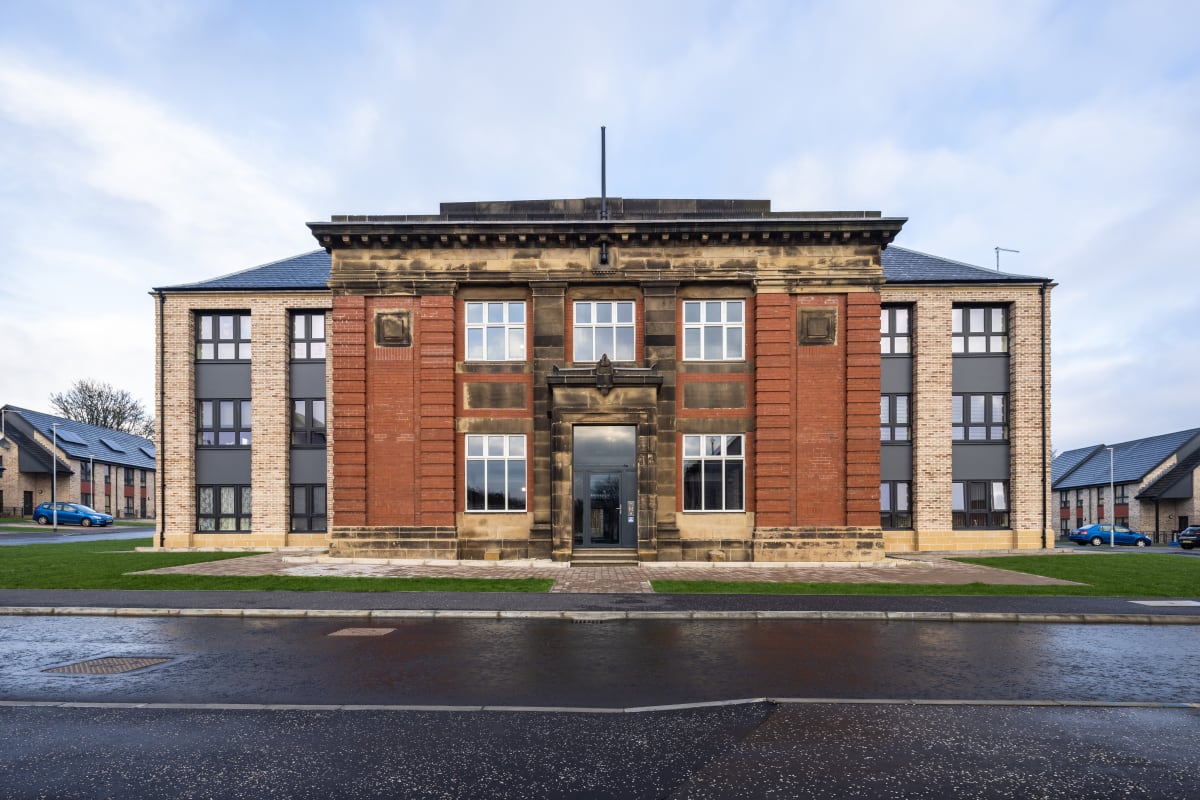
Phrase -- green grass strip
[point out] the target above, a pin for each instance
(106, 564)
(1104, 575)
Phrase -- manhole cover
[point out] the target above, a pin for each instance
(107, 666)
(363, 632)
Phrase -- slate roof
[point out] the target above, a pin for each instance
(81, 441)
(310, 272)
(1065, 462)
(1131, 461)
(1169, 479)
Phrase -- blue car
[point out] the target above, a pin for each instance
(1098, 535)
(70, 514)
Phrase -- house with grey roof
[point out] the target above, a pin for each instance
(1150, 484)
(45, 457)
(607, 379)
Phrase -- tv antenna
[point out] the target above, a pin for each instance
(1000, 250)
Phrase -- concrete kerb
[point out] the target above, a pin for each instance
(610, 616)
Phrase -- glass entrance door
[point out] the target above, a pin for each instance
(605, 490)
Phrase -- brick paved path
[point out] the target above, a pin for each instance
(920, 569)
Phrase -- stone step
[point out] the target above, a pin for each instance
(605, 557)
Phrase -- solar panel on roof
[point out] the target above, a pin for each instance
(67, 436)
(146, 451)
(111, 445)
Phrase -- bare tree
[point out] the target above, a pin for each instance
(101, 404)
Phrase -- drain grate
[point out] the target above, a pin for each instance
(112, 665)
(363, 632)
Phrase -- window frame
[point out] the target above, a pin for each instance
(305, 338)
(1122, 495)
(961, 428)
(514, 468)
(702, 457)
(889, 335)
(240, 340)
(727, 328)
(888, 422)
(963, 330)
(241, 516)
(302, 436)
(891, 516)
(242, 430)
(309, 514)
(593, 324)
(990, 519)
(513, 333)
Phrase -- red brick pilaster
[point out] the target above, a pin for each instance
(820, 476)
(348, 497)
(775, 393)
(435, 401)
(862, 409)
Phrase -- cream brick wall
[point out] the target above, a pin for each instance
(270, 407)
(932, 443)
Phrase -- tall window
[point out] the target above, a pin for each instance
(895, 510)
(714, 469)
(895, 334)
(1079, 498)
(223, 508)
(85, 469)
(496, 473)
(1064, 499)
(979, 417)
(107, 475)
(496, 331)
(714, 330)
(1122, 494)
(223, 337)
(979, 329)
(308, 507)
(604, 328)
(894, 418)
(224, 423)
(308, 335)
(142, 477)
(129, 477)
(308, 423)
(129, 506)
(980, 504)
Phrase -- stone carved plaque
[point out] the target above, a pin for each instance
(393, 328)
(817, 326)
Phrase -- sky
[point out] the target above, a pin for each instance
(148, 143)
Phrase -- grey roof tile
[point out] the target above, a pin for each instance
(901, 265)
(1131, 461)
(305, 271)
(82, 441)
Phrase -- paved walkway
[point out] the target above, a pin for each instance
(916, 569)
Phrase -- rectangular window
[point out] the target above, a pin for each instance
(496, 473)
(714, 473)
(308, 507)
(85, 470)
(604, 328)
(128, 477)
(1064, 527)
(714, 330)
(1079, 498)
(142, 477)
(107, 475)
(895, 419)
(308, 423)
(979, 417)
(223, 423)
(980, 504)
(223, 508)
(895, 508)
(979, 329)
(85, 498)
(308, 335)
(1064, 499)
(496, 331)
(223, 337)
(1122, 496)
(129, 506)
(895, 332)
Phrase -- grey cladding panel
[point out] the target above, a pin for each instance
(308, 379)
(229, 381)
(895, 375)
(308, 466)
(980, 374)
(895, 462)
(222, 467)
(980, 462)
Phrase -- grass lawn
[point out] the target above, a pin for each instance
(105, 564)
(1105, 575)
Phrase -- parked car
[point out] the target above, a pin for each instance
(1098, 535)
(1189, 537)
(71, 514)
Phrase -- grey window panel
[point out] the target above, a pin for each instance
(895, 462)
(308, 379)
(225, 381)
(979, 461)
(895, 375)
(980, 374)
(308, 466)
(222, 467)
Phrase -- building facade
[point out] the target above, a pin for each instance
(1150, 485)
(589, 379)
(111, 471)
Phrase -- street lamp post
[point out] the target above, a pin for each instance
(1112, 531)
(54, 473)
